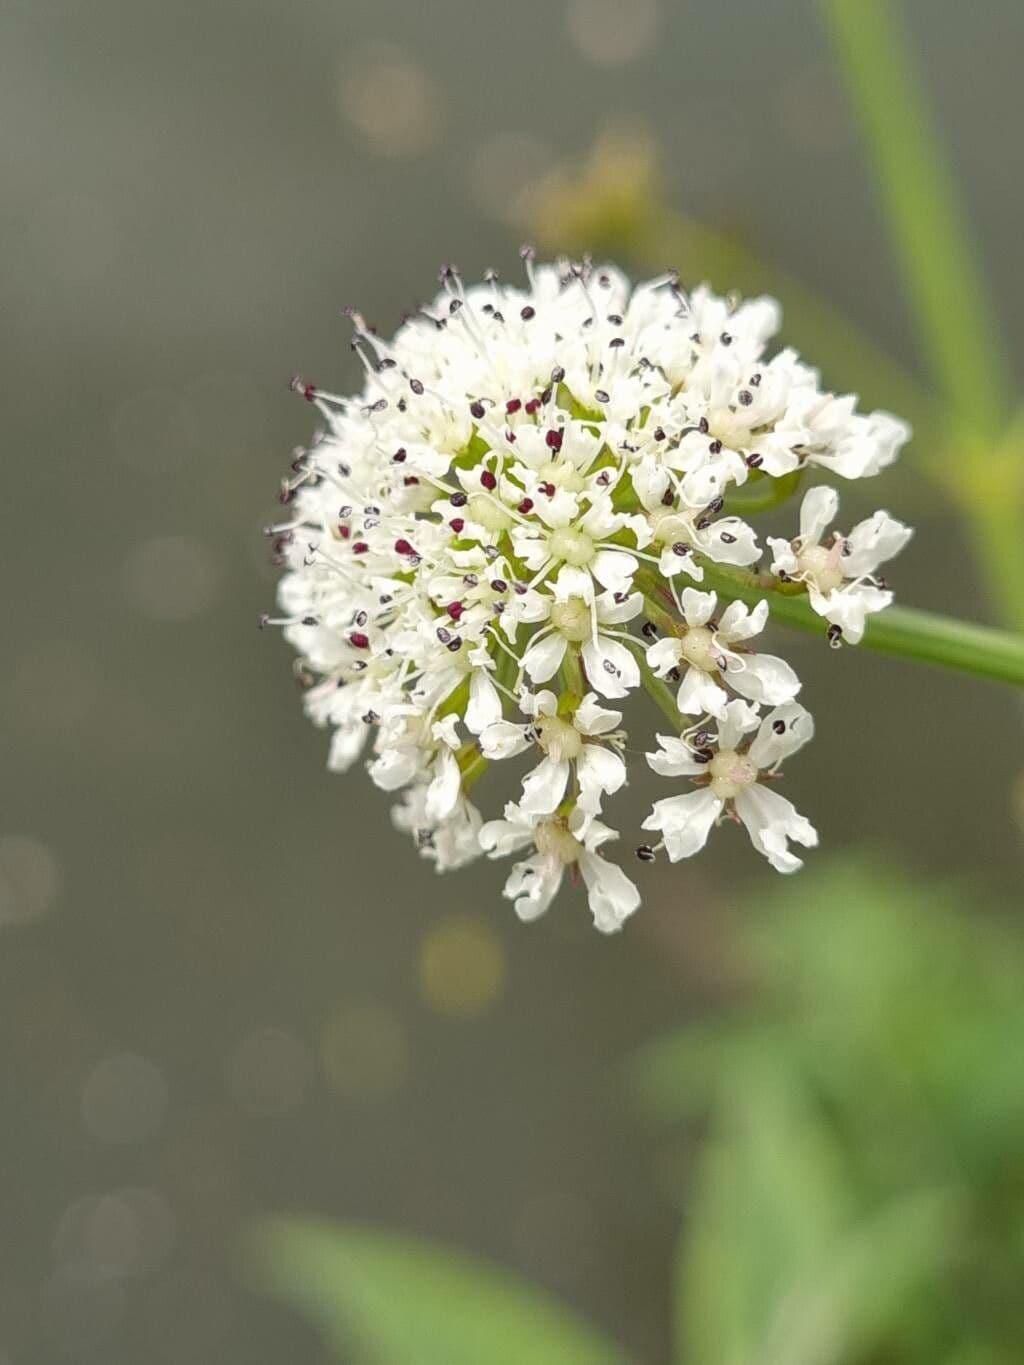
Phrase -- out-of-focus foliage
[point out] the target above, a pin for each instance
(398, 1301)
(860, 1198)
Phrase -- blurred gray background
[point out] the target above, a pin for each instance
(225, 985)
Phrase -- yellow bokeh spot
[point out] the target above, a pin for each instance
(363, 1050)
(462, 967)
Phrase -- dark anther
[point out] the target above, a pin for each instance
(616, 342)
(459, 499)
(725, 339)
(416, 386)
(554, 438)
(513, 405)
(645, 853)
(499, 585)
(457, 523)
(602, 395)
(455, 645)
(525, 506)
(745, 397)
(779, 727)
(615, 319)
(702, 426)
(703, 755)
(659, 433)
(715, 447)
(557, 375)
(727, 539)
(755, 461)
(755, 380)
(477, 410)
(399, 456)
(527, 313)
(649, 630)
(680, 549)
(488, 480)
(834, 635)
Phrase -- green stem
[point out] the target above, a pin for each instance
(662, 696)
(938, 260)
(920, 635)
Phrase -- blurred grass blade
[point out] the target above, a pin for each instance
(946, 287)
(399, 1301)
(771, 1200)
(864, 1287)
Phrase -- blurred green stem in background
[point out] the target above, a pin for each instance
(957, 330)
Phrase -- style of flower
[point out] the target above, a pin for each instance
(733, 774)
(841, 578)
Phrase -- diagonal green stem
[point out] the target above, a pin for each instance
(920, 635)
(938, 261)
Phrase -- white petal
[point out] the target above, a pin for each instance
(614, 569)
(591, 719)
(499, 838)
(674, 758)
(783, 558)
(346, 745)
(545, 786)
(738, 622)
(817, 511)
(533, 885)
(698, 607)
(541, 661)
(739, 719)
(611, 895)
(730, 541)
(484, 703)
(395, 768)
(443, 792)
(699, 694)
(611, 668)
(685, 822)
(503, 740)
(849, 607)
(762, 678)
(663, 655)
(600, 771)
(782, 732)
(613, 613)
(872, 542)
(772, 822)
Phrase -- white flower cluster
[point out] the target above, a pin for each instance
(503, 532)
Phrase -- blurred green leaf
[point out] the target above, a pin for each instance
(399, 1301)
(770, 1201)
(861, 1196)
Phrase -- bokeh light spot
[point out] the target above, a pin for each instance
(390, 100)
(269, 1072)
(124, 1099)
(461, 967)
(364, 1051)
(29, 879)
(608, 32)
(171, 578)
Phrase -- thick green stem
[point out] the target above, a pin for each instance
(909, 634)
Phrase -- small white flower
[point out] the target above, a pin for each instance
(563, 740)
(558, 844)
(839, 576)
(734, 773)
(703, 652)
(574, 615)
